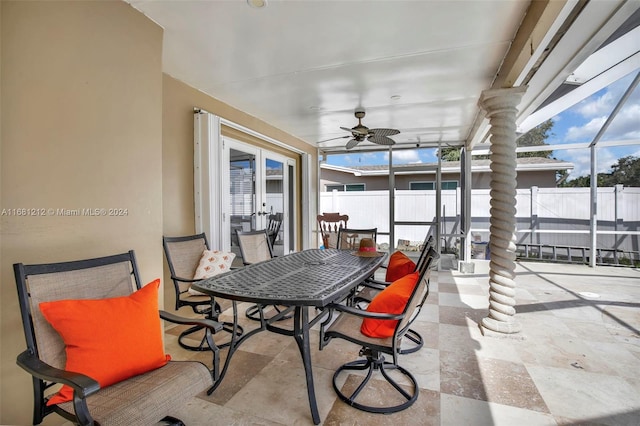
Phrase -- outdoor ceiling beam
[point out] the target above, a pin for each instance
(595, 23)
(537, 31)
(559, 147)
(616, 110)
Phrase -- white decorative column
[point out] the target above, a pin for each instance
(500, 108)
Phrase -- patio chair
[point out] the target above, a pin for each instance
(255, 246)
(400, 305)
(114, 367)
(372, 287)
(407, 266)
(273, 227)
(330, 224)
(183, 256)
(349, 239)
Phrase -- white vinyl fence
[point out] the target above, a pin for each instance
(548, 216)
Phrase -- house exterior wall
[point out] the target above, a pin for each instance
(480, 180)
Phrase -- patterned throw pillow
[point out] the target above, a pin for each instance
(212, 263)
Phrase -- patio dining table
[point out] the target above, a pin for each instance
(302, 281)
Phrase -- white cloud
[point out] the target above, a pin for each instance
(404, 156)
(581, 160)
(595, 110)
(593, 107)
(587, 132)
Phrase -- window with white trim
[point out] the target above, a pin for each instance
(346, 187)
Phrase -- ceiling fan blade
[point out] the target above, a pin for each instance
(333, 139)
(384, 132)
(354, 131)
(381, 140)
(352, 143)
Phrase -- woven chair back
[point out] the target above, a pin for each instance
(78, 281)
(254, 246)
(183, 256)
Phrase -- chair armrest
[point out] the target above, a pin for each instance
(81, 384)
(184, 280)
(214, 326)
(364, 314)
(375, 284)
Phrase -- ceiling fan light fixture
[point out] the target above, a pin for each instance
(257, 4)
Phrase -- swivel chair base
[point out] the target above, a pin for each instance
(227, 326)
(375, 361)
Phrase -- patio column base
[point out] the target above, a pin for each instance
(505, 327)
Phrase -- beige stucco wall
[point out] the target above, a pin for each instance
(81, 128)
(90, 121)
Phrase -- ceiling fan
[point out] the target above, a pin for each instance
(361, 132)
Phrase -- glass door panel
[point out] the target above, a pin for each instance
(258, 187)
(242, 195)
(274, 200)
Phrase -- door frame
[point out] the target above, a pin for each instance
(208, 187)
(260, 189)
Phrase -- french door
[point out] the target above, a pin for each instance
(257, 185)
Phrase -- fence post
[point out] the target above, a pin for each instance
(334, 201)
(617, 219)
(534, 215)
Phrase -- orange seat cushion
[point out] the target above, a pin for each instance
(110, 339)
(391, 300)
(399, 266)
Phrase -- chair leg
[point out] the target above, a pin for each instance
(171, 421)
(187, 333)
(376, 362)
(416, 342)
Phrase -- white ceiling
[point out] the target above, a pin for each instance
(304, 66)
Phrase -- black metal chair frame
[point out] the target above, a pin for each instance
(273, 227)
(374, 352)
(417, 342)
(256, 312)
(211, 309)
(44, 376)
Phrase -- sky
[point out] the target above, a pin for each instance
(578, 124)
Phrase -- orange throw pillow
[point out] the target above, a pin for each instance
(391, 300)
(110, 339)
(399, 266)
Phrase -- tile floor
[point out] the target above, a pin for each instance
(577, 360)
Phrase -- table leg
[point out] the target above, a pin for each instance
(301, 334)
(233, 345)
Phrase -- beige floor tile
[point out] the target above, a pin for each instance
(456, 410)
(581, 395)
(576, 361)
(424, 411)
